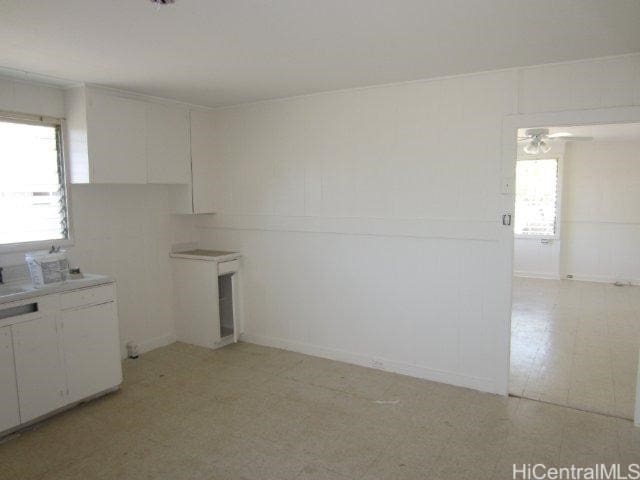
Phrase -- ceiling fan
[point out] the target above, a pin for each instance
(538, 139)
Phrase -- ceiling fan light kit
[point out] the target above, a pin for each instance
(537, 146)
(535, 138)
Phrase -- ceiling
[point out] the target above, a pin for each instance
(216, 52)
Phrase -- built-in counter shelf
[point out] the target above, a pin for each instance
(206, 285)
(22, 291)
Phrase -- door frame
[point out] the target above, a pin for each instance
(510, 126)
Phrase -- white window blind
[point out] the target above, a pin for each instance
(536, 197)
(33, 205)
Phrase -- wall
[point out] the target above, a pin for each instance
(367, 217)
(537, 258)
(602, 211)
(599, 217)
(124, 231)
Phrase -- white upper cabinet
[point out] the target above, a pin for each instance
(167, 144)
(117, 139)
(199, 195)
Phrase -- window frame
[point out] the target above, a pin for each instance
(59, 124)
(559, 158)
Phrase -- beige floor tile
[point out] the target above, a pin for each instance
(317, 472)
(580, 334)
(217, 420)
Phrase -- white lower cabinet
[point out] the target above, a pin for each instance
(9, 413)
(42, 385)
(91, 350)
(55, 351)
(206, 301)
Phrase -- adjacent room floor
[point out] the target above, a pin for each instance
(576, 343)
(250, 412)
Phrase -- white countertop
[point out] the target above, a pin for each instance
(207, 255)
(29, 291)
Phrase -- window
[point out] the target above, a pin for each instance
(33, 203)
(536, 197)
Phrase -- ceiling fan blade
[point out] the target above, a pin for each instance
(523, 139)
(566, 136)
(571, 139)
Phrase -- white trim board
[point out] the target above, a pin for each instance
(486, 385)
(601, 279)
(468, 229)
(576, 278)
(545, 276)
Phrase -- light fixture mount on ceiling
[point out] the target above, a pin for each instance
(159, 3)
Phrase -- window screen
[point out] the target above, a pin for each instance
(33, 205)
(536, 197)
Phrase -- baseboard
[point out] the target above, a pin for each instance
(544, 276)
(602, 279)
(467, 381)
(152, 343)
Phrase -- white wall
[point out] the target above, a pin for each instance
(599, 216)
(602, 211)
(368, 217)
(537, 258)
(124, 231)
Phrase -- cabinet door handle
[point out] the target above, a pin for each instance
(506, 219)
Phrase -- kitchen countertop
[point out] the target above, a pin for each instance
(208, 255)
(27, 290)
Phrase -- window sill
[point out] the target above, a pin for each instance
(31, 246)
(536, 237)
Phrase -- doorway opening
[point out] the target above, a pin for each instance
(575, 325)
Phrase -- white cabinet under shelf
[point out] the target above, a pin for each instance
(40, 372)
(196, 287)
(206, 289)
(9, 412)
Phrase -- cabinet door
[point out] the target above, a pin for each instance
(9, 412)
(167, 144)
(196, 301)
(203, 161)
(91, 346)
(116, 136)
(40, 373)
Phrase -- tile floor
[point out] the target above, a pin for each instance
(250, 412)
(576, 343)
